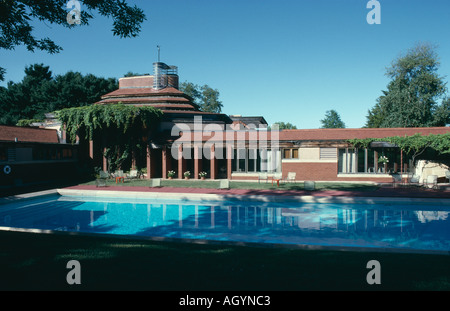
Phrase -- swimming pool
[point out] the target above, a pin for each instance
(396, 226)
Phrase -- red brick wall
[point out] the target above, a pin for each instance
(317, 172)
(311, 171)
(323, 172)
(140, 81)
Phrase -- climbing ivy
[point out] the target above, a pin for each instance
(439, 142)
(124, 129)
(87, 119)
(413, 145)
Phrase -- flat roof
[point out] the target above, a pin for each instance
(28, 134)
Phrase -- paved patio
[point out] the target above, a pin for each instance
(399, 192)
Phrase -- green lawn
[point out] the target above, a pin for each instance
(38, 262)
(214, 184)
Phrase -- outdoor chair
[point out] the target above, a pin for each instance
(262, 176)
(447, 175)
(396, 179)
(103, 175)
(133, 174)
(431, 182)
(156, 182)
(224, 184)
(291, 176)
(101, 179)
(119, 176)
(413, 180)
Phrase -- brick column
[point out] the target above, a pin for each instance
(91, 149)
(213, 162)
(133, 157)
(149, 166)
(375, 160)
(181, 165)
(229, 158)
(197, 161)
(105, 161)
(166, 162)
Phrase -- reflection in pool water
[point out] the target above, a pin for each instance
(414, 227)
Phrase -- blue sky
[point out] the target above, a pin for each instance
(287, 60)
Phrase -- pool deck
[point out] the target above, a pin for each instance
(403, 195)
(381, 195)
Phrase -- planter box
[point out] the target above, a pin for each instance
(310, 185)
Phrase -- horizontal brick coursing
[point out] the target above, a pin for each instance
(28, 134)
(311, 171)
(323, 172)
(316, 172)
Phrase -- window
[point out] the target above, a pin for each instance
(328, 154)
(347, 160)
(290, 153)
(67, 153)
(254, 160)
(3, 154)
(366, 160)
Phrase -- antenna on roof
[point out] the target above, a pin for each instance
(158, 51)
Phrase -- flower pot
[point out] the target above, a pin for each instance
(202, 178)
(186, 177)
(170, 177)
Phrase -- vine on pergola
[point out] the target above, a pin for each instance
(123, 127)
(413, 145)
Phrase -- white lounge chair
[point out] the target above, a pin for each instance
(262, 176)
(396, 179)
(101, 179)
(413, 180)
(291, 176)
(133, 174)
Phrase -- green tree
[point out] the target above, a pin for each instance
(22, 100)
(412, 95)
(332, 120)
(192, 90)
(441, 114)
(16, 18)
(39, 93)
(284, 126)
(210, 100)
(205, 97)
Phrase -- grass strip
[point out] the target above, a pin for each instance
(38, 262)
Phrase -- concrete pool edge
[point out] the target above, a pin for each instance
(28, 196)
(257, 198)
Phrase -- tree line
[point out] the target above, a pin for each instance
(41, 92)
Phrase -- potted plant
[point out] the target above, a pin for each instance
(202, 175)
(383, 160)
(187, 174)
(170, 174)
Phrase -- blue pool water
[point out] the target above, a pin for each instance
(410, 227)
